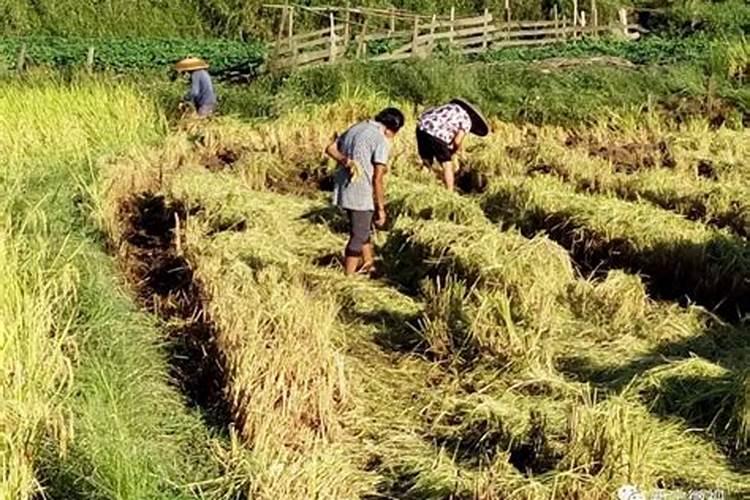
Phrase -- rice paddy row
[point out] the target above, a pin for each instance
(682, 259)
(477, 384)
(698, 173)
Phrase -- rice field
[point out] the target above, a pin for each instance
(567, 324)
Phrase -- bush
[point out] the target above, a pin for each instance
(131, 54)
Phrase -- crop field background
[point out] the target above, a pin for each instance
(174, 322)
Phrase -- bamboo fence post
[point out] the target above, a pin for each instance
(282, 24)
(332, 38)
(362, 44)
(290, 26)
(485, 38)
(347, 24)
(595, 17)
(624, 21)
(453, 28)
(508, 17)
(90, 59)
(415, 37)
(564, 32)
(21, 59)
(433, 25)
(575, 18)
(556, 15)
(393, 20)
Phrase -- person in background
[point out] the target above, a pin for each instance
(201, 94)
(362, 153)
(441, 132)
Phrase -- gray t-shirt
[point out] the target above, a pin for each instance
(366, 144)
(201, 89)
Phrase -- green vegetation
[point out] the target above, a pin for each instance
(248, 20)
(123, 55)
(174, 323)
(87, 406)
(230, 18)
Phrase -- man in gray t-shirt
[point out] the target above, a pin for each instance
(362, 154)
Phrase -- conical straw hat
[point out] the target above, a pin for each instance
(191, 64)
(479, 124)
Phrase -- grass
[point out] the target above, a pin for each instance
(97, 373)
(36, 357)
(483, 364)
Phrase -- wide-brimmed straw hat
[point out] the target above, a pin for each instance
(479, 124)
(190, 64)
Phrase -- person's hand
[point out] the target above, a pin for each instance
(355, 171)
(380, 218)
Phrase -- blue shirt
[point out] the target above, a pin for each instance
(366, 144)
(201, 89)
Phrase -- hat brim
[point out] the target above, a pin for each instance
(479, 124)
(191, 65)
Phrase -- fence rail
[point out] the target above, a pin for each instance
(465, 35)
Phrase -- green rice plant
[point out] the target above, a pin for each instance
(124, 431)
(235, 216)
(514, 342)
(681, 258)
(444, 325)
(709, 192)
(518, 438)
(742, 411)
(36, 356)
(719, 204)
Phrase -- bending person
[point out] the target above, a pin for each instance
(201, 94)
(441, 132)
(362, 153)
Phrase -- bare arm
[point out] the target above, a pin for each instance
(333, 152)
(379, 189)
(458, 141)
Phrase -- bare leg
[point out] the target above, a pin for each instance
(351, 264)
(426, 165)
(368, 256)
(448, 175)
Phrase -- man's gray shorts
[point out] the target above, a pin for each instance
(360, 222)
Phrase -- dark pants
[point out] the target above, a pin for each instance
(431, 148)
(360, 222)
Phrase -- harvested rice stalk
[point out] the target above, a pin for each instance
(534, 273)
(617, 441)
(431, 202)
(617, 303)
(680, 258)
(721, 205)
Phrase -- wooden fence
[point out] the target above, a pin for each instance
(345, 37)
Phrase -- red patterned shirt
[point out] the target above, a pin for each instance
(444, 122)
